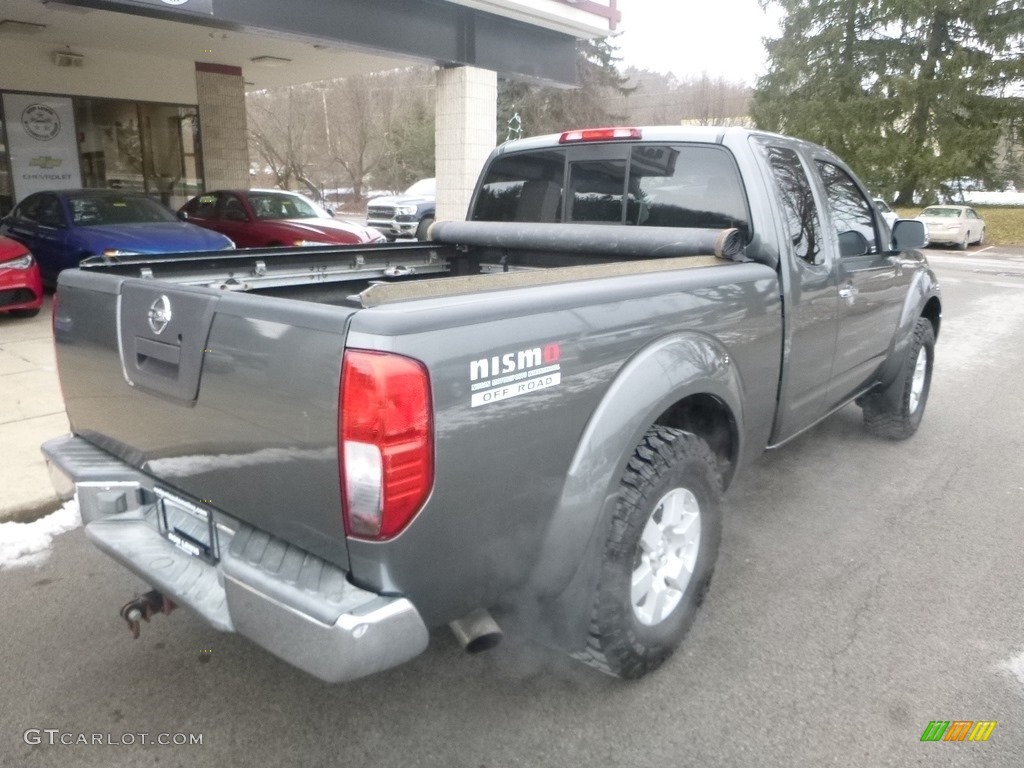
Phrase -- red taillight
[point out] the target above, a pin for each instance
(599, 134)
(385, 442)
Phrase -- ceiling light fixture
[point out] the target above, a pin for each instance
(270, 61)
(12, 27)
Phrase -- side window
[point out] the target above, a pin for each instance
(850, 210)
(798, 204)
(28, 209)
(50, 214)
(686, 186)
(202, 207)
(524, 188)
(232, 209)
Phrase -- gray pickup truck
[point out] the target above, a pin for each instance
(526, 423)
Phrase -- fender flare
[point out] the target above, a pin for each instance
(654, 379)
(923, 300)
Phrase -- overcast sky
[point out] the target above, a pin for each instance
(688, 37)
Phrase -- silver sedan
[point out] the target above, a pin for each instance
(957, 225)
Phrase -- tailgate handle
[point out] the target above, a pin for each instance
(162, 333)
(165, 353)
(157, 358)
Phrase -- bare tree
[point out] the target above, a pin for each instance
(376, 121)
(364, 131)
(282, 137)
(657, 98)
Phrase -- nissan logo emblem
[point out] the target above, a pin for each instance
(160, 314)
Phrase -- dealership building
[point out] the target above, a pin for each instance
(150, 94)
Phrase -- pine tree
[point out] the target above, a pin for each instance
(550, 110)
(909, 92)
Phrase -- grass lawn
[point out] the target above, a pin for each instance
(1004, 224)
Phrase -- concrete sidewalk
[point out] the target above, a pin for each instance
(31, 412)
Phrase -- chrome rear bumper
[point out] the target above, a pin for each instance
(294, 604)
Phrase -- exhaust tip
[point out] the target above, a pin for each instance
(477, 631)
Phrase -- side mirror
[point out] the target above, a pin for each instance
(853, 243)
(183, 215)
(330, 212)
(908, 234)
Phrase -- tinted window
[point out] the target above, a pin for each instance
(232, 209)
(50, 214)
(28, 209)
(686, 186)
(525, 187)
(798, 204)
(596, 189)
(850, 210)
(658, 186)
(202, 207)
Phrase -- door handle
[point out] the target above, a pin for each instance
(847, 292)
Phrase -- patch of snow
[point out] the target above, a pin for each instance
(182, 466)
(994, 198)
(1015, 667)
(24, 544)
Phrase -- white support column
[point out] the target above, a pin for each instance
(220, 92)
(465, 134)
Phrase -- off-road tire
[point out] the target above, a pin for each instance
(424, 227)
(667, 464)
(896, 413)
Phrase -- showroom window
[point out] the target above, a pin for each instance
(65, 142)
(152, 148)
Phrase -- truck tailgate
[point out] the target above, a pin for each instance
(203, 391)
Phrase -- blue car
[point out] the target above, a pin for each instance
(62, 228)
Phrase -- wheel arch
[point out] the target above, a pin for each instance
(932, 311)
(686, 381)
(923, 300)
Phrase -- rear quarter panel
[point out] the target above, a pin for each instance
(502, 466)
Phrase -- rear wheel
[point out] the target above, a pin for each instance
(896, 413)
(659, 555)
(962, 245)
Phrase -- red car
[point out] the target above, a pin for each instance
(258, 218)
(21, 287)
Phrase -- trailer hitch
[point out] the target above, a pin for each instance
(142, 608)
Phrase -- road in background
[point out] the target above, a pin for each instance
(865, 588)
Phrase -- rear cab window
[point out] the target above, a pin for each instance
(645, 185)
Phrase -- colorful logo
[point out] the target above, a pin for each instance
(958, 730)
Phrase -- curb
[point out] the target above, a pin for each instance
(31, 511)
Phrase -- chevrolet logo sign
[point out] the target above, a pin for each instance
(45, 162)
